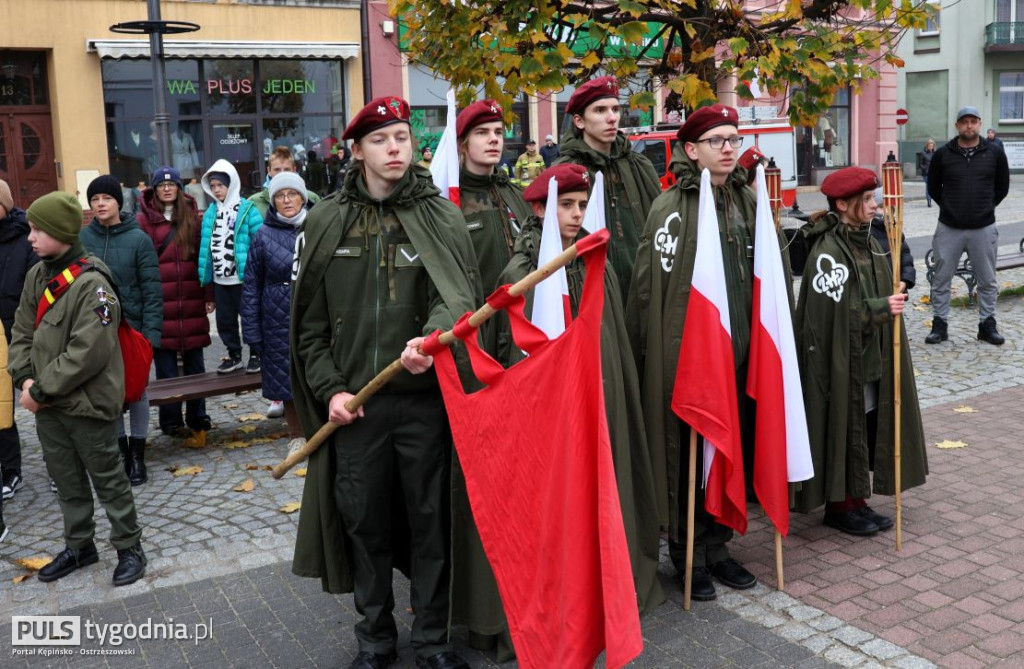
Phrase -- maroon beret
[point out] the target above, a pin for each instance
(706, 118)
(481, 111)
(378, 114)
(750, 158)
(571, 179)
(848, 182)
(590, 92)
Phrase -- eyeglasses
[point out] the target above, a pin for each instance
(717, 143)
(167, 185)
(285, 195)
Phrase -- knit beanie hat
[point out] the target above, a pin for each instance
(219, 176)
(6, 199)
(57, 214)
(106, 185)
(288, 180)
(166, 173)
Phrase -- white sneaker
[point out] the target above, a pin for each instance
(295, 444)
(275, 410)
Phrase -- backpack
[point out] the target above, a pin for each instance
(136, 351)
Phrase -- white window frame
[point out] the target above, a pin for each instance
(934, 26)
(1013, 89)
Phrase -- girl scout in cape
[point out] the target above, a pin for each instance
(844, 341)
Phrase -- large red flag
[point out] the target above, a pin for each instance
(705, 394)
(535, 451)
(782, 449)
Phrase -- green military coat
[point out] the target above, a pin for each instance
(658, 298)
(438, 233)
(835, 313)
(630, 187)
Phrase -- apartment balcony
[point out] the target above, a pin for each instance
(1004, 36)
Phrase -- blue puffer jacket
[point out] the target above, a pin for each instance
(131, 257)
(247, 221)
(266, 301)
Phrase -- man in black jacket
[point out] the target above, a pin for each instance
(968, 177)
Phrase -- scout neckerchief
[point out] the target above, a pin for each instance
(59, 285)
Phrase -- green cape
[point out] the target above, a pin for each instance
(633, 472)
(829, 346)
(438, 232)
(637, 177)
(656, 312)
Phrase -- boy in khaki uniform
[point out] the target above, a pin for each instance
(66, 360)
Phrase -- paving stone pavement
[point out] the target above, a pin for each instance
(952, 597)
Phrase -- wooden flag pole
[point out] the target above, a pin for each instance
(778, 561)
(773, 184)
(892, 200)
(691, 494)
(392, 370)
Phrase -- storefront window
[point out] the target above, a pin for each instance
(235, 109)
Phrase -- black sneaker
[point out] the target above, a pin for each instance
(12, 483)
(68, 561)
(702, 588)
(229, 364)
(883, 522)
(443, 660)
(254, 364)
(851, 522)
(367, 660)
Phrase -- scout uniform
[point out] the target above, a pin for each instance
(65, 339)
(630, 454)
(631, 183)
(371, 275)
(844, 344)
(655, 314)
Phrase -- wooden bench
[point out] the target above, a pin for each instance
(966, 272)
(200, 386)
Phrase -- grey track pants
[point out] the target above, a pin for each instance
(981, 245)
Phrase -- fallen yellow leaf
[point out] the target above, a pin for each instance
(246, 417)
(1007, 284)
(925, 299)
(301, 473)
(928, 324)
(247, 429)
(34, 563)
(963, 408)
(19, 579)
(947, 444)
(291, 507)
(197, 440)
(245, 486)
(236, 444)
(187, 471)
(230, 405)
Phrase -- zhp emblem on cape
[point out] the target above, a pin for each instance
(665, 243)
(831, 277)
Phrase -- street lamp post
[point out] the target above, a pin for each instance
(156, 29)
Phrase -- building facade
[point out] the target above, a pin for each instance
(859, 129)
(972, 54)
(77, 99)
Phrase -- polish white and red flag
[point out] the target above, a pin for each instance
(704, 395)
(782, 450)
(445, 167)
(551, 309)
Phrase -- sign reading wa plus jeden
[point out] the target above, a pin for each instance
(46, 630)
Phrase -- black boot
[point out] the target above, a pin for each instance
(987, 332)
(122, 444)
(68, 561)
(131, 565)
(939, 331)
(137, 461)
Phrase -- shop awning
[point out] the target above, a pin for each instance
(136, 48)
